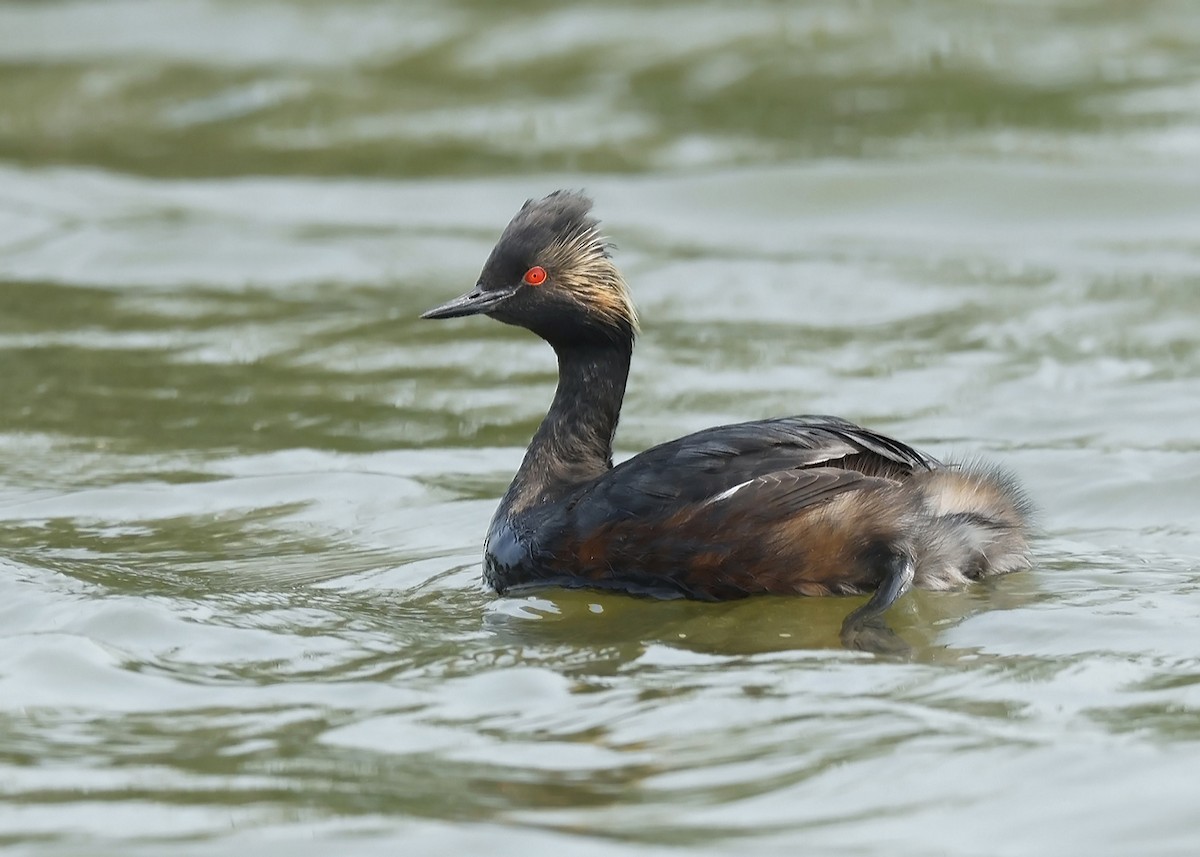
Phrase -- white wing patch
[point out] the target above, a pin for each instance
(727, 493)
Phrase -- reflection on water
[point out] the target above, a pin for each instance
(243, 487)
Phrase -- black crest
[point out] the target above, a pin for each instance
(541, 223)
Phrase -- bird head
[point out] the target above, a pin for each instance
(551, 272)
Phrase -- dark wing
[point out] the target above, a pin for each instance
(697, 467)
(769, 533)
(731, 511)
(781, 493)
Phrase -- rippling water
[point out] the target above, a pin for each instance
(243, 489)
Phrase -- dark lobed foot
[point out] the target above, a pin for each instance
(864, 630)
(874, 636)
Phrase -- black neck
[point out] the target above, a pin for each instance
(573, 445)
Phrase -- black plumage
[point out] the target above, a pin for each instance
(808, 505)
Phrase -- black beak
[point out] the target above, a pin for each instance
(472, 303)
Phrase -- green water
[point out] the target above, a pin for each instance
(243, 489)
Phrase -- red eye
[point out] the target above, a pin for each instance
(536, 275)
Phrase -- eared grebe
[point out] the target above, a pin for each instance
(807, 505)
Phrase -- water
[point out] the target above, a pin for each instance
(243, 488)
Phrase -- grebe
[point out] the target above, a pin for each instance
(804, 505)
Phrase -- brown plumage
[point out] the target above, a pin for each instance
(810, 505)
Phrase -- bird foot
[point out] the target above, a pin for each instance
(872, 635)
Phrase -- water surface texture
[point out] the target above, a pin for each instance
(243, 488)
